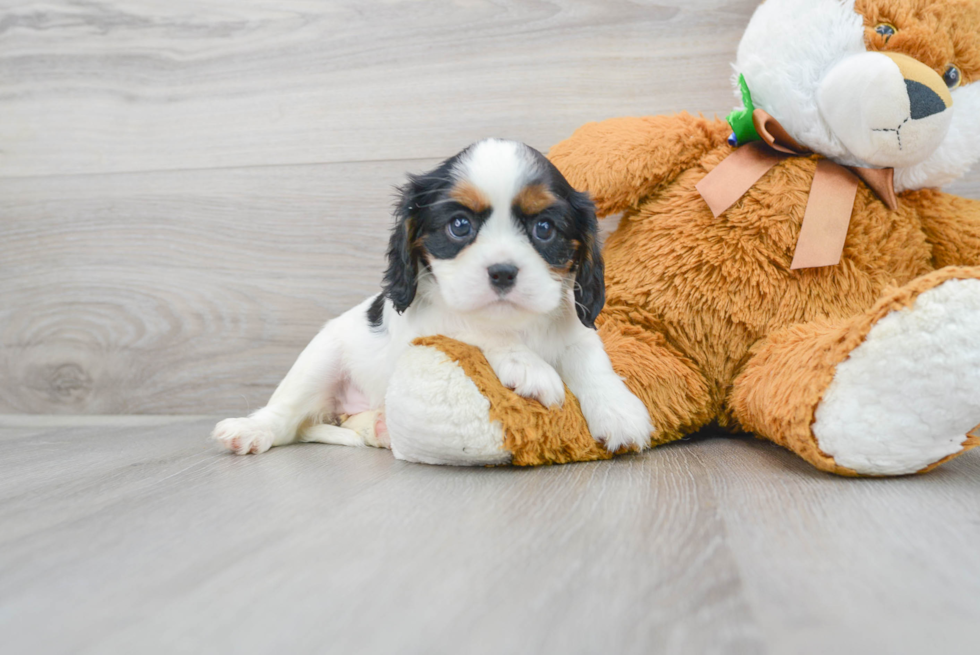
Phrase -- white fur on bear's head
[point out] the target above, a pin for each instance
(807, 64)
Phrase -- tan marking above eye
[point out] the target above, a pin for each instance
(466, 194)
(534, 199)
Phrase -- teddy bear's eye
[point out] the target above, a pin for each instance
(886, 30)
(952, 76)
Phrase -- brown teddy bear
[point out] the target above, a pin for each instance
(801, 278)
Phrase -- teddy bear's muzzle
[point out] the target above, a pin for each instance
(887, 109)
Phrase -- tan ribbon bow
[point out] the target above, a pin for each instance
(832, 194)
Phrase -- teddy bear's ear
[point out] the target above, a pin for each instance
(590, 285)
(401, 276)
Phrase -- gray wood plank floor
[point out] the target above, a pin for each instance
(127, 535)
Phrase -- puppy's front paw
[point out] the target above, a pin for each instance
(619, 420)
(531, 377)
(243, 436)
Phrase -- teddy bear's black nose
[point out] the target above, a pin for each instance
(925, 102)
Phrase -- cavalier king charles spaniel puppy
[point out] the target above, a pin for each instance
(492, 248)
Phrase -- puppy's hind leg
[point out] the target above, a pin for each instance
(307, 392)
(363, 429)
(330, 434)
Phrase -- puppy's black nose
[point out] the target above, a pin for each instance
(502, 276)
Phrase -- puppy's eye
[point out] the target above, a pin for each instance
(544, 231)
(886, 30)
(952, 76)
(460, 227)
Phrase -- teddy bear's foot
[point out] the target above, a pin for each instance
(908, 396)
(445, 405)
(436, 415)
(893, 391)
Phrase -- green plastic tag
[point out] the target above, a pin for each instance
(741, 119)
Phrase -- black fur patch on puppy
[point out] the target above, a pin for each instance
(425, 206)
(576, 244)
(376, 312)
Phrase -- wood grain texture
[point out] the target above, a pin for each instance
(147, 85)
(189, 189)
(148, 539)
(180, 292)
(871, 566)
(145, 538)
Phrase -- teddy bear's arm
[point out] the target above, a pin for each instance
(620, 161)
(952, 226)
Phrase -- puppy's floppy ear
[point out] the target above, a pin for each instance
(590, 283)
(401, 277)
